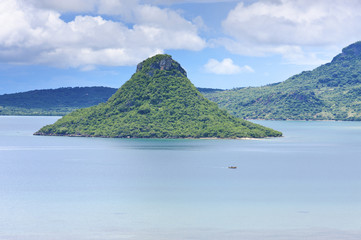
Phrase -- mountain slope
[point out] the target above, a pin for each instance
(158, 101)
(53, 101)
(329, 92)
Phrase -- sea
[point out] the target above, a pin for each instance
(305, 185)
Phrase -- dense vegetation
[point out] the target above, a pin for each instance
(59, 101)
(158, 101)
(329, 92)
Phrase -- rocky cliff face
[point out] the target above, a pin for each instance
(160, 62)
(350, 52)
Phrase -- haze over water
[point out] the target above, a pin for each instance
(305, 185)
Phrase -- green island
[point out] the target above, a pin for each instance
(158, 101)
(329, 92)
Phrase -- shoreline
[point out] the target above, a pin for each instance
(247, 119)
(303, 120)
(165, 138)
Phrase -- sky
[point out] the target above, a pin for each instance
(220, 43)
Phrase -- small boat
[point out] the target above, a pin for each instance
(232, 167)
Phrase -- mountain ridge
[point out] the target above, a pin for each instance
(59, 101)
(329, 92)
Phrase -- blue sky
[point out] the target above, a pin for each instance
(221, 43)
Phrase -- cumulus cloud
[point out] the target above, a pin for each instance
(66, 5)
(301, 22)
(108, 6)
(292, 54)
(288, 26)
(226, 67)
(36, 35)
(186, 1)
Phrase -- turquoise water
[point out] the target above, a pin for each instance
(305, 185)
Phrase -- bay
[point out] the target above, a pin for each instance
(305, 185)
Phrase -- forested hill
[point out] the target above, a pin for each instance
(158, 101)
(329, 92)
(53, 101)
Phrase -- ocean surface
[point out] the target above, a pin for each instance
(303, 186)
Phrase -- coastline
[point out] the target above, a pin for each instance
(165, 138)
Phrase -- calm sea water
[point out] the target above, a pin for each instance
(303, 186)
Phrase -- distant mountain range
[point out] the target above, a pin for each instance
(329, 92)
(53, 101)
(60, 101)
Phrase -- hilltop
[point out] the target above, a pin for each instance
(158, 101)
(329, 92)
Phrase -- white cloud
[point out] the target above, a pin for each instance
(292, 54)
(36, 35)
(287, 27)
(296, 22)
(185, 1)
(226, 67)
(123, 8)
(108, 6)
(66, 5)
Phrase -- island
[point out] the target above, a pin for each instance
(158, 101)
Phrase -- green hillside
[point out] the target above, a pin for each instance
(329, 92)
(158, 101)
(53, 101)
